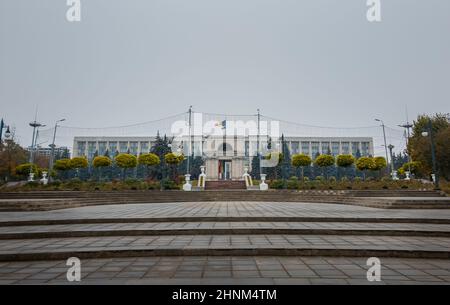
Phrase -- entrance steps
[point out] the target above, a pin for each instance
(225, 185)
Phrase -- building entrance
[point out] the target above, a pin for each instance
(224, 170)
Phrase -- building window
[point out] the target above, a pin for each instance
(315, 149)
(305, 148)
(365, 148)
(144, 147)
(112, 148)
(123, 147)
(355, 149)
(81, 148)
(345, 148)
(101, 148)
(92, 149)
(295, 147)
(335, 148)
(197, 149)
(326, 150)
(247, 148)
(133, 148)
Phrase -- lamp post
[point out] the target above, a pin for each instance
(35, 126)
(391, 147)
(52, 152)
(385, 145)
(435, 174)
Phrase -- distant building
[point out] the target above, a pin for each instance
(59, 152)
(225, 157)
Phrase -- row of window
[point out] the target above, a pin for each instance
(250, 148)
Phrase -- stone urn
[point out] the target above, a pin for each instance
(44, 179)
(394, 175)
(407, 174)
(187, 185)
(263, 185)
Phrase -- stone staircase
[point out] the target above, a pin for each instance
(52, 200)
(225, 185)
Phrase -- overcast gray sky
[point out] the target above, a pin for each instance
(312, 61)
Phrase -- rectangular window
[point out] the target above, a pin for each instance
(345, 146)
(326, 149)
(101, 148)
(247, 148)
(133, 148)
(315, 149)
(123, 147)
(335, 148)
(92, 149)
(144, 147)
(197, 149)
(305, 148)
(81, 148)
(365, 148)
(355, 148)
(112, 148)
(295, 148)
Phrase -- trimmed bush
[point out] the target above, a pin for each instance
(101, 161)
(380, 163)
(78, 162)
(24, 169)
(149, 159)
(345, 160)
(125, 161)
(62, 165)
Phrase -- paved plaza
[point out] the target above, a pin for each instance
(226, 243)
(229, 270)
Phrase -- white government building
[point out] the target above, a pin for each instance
(225, 156)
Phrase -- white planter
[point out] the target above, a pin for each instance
(187, 185)
(263, 185)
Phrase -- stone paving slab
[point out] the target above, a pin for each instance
(185, 245)
(205, 228)
(224, 270)
(224, 209)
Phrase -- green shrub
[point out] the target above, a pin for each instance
(345, 160)
(24, 169)
(172, 158)
(276, 184)
(126, 161)
(380, 163)
(324, 160)
(101, 161)
(62, 165)
(167, 184)
(78, 162)
(292, 184)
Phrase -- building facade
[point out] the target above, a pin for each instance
(225, 157)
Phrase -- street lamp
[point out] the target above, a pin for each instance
(435, 174)
(35, 126)
(52, 152)
(391, 147)
(385, 145)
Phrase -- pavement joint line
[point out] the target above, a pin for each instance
(222, 219)
(232, 231)
(167, 252)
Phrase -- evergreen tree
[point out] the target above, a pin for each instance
(255, 168)
(160, 147)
